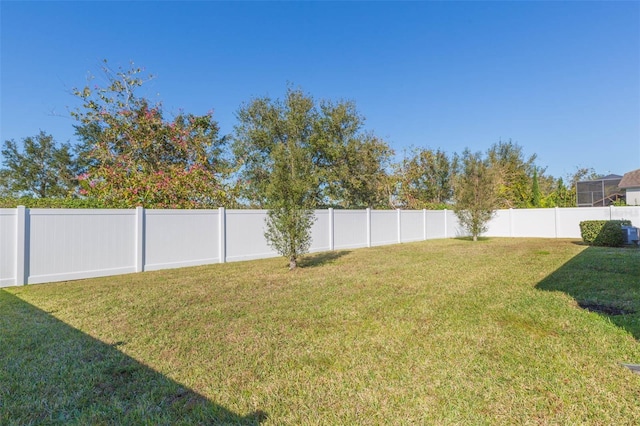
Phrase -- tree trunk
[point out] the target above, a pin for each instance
(475, 238)
(293, 263)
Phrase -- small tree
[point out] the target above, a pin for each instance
(563, 196)
(475, 194)
(290, 214)
(288, 232)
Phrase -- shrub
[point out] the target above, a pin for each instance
(52, 203)
(606, 233)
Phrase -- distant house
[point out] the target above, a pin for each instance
(630, 182)
(599, 192)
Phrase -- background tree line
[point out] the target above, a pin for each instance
(130, 154)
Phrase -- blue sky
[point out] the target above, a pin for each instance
(562, 79)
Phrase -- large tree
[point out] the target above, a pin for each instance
(347, 164)
(425, 180)
(513, 173)
(351, 163)
(263, 125)
(476, 198)
(40, 168)
(134, 156)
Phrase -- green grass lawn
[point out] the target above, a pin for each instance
(435, 332)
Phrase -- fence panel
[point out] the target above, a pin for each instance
(454, 229)
(568, 219)
(176, 238)
(384, 227)
(628, 213)
(534, 223)
(66, 244)
(8, 245)
(436, 224)
(350, 229)
(245, 235)
(411, 225)
(500, 225)
(321, 232)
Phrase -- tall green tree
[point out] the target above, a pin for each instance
(133, 156)
(476, 198)
(347, 164)
(513, 173)
(38, 167)
(263, 126)
(426, 179)
(561, 196)
(274, 143)
(535, 190)
(351, 163)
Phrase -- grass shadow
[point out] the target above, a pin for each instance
(319, 259)
(603, 280)
(52, 373)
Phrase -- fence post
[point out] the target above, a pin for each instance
(399, 220)
(510, 222)
(424, 224)
(222, 234)
(140, 239)
(331, 225)
(368, 227)
(22, 245)
(557, 216)
(445, 222)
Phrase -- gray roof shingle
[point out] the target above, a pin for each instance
(630, 180)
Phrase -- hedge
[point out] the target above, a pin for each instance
(606, 233)
(51, 203)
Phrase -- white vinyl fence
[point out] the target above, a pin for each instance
(45, 245)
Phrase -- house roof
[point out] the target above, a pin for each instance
(610, 177)
(630, 180)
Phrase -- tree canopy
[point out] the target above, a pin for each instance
(132, 153)
(39, 168)
(346, 165)
(513, 173)
(134, 156)
(425, 180)
(352, 164)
